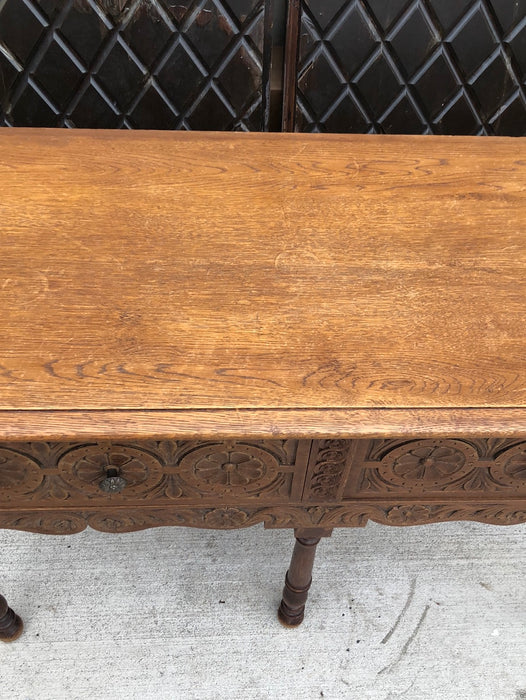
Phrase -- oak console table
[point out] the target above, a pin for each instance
(219, 330)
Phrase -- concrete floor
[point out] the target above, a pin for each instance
(427, 612)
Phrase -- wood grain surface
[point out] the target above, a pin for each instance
(144, 271)
(262, 423)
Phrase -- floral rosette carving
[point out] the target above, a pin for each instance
(230, 467)
(510, 467)
(85, 467)
(409, 515)
(18, 473)
(428, 464)
(225, 518)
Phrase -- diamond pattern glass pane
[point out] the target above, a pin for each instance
(412, 66)
(149, 64)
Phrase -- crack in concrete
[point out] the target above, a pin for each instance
(392, 695)
(408, 643)
(402, 612)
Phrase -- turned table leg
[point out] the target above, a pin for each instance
(299, 577)
(11, 626)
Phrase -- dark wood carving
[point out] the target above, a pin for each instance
(152, 471)
(469, 467)
(19, 473)
(83, 468)
(326, 473)
(213, 484)
(237, 468)
(64, 522)
(510, 467)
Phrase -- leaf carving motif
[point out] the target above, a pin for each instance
(516, 466)
(329, 468)
(355, 515)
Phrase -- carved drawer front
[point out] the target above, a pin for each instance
(153, 472)
(460, 467)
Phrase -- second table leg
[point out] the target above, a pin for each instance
(299, 578)
(11, 626)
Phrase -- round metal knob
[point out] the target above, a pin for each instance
(113, 483)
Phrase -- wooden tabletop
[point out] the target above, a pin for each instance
(209, 283)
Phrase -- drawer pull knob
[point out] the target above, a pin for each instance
(113, 483)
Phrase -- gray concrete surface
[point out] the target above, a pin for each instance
(427, 612)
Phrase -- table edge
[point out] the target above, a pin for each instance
(209, 424)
